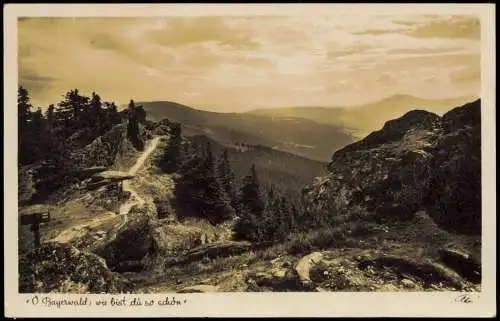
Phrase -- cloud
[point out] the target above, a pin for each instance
(375, 32)
(236, 63)
(466, 74)
(453, 27)
(177, 32)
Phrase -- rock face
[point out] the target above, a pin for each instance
(113, 148)
(455, 199)
(419, 161)
(132, 242)
(465, 265)
(65, 269)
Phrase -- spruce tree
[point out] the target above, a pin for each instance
(252, 208)
(171, 159)
(250, 194)
(140, 114)
(49, 115)
(283, 219)
(226, 176)
(95, 115)
(112, 116)
(71, 112)
(133, 132)
(39, 135)
(216, 205)
(23, 118)
(189, 188)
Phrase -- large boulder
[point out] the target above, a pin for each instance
(131, 243)
(65, 269)
(304, 266)
(463, 263)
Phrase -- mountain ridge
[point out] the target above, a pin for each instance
(299, 136)
(356, 117)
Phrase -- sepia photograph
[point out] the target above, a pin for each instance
(237, 153)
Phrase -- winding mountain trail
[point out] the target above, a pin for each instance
(74, 232)
(134, 199)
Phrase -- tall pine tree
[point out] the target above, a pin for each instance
(133, 131)
(95, 115)
(189, 188)
(172, 158)
(23, 119)
(227, 178)
(252, 207)
(216, 207)
(70, 113)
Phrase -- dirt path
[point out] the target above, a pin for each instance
(74, 232)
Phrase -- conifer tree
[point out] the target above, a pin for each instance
(226, 176)
(49, 115)
(282, 218)
(252, 208)
(216, 205)
(171, 159)
(112, 116)
(39, 135)
(140, 114)
(95, 115)
(23, 118)
(133, 127)
(71, 112)
(189, 190)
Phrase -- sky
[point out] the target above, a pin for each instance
(238, 63)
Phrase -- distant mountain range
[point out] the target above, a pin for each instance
(299, 136)
(312, 132)
(362, 120)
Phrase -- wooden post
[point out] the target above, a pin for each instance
(34, 216)
(36, 234)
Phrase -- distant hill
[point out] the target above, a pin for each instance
(362, 120)
(288, 171)
(295, 135)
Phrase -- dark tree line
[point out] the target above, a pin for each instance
(206, 188)
(74, 122)
(48, 139)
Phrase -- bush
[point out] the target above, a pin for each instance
(163, 207)
(317, 239)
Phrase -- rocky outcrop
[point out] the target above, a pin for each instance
(132, 243)
(113, 149)
(65, 269)
(215, 250)
(463, 263)
(454, 198)
(201, 288)
(304, 265)
(176, 237)
(419, 161)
